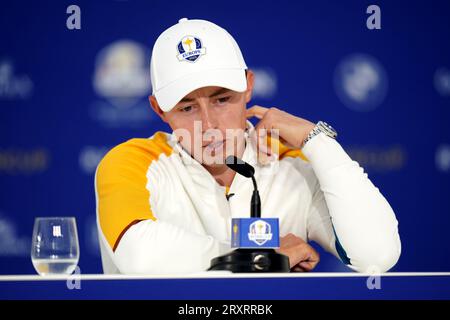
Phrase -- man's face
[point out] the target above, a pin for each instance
(210, 122)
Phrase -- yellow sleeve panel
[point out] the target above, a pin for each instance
(122, 196)
(284, 151)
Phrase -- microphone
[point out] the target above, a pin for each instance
(255, 238)
(228, 196)
(241, 167)
(247, 171)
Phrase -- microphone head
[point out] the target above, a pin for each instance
(240, 166)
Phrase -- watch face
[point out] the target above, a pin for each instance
(330, 130)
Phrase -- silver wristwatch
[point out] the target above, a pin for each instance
(321, 126)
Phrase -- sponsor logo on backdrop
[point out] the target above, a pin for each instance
(15, 161)
(379, 158)
(442, 81)
(121, 81)
(443, 158)
(11, 243)
(266, 83)
(361, 82)
(90, 157)
(14, 86)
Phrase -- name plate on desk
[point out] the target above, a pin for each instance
(255, 233)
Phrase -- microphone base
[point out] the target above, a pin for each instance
(251, 260)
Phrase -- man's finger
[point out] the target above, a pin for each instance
(298, 254)
(262, 139)
(297, 269)
(307, 266)
(256, 111)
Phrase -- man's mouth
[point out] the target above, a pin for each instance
(214, 146)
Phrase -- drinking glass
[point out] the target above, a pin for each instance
(55, 248)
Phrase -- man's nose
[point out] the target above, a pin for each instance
(209, 119)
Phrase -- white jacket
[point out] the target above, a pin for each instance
(160, 211)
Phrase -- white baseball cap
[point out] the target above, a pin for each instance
(193, 54)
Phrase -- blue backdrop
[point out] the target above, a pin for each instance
(68, 95)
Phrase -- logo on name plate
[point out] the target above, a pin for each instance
(190, 49)
(260, 232)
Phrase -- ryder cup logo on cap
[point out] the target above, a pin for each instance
(260, 232)
(193, 54)
(190, 49)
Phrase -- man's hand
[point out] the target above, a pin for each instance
(302, 257)
(292, 130)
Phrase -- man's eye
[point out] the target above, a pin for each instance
(186, 109)
(223, 100)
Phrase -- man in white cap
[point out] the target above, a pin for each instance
(165, 203)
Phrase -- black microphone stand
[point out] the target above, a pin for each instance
(250, 260)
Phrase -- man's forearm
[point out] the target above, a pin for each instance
(363, 220)
(157, 247)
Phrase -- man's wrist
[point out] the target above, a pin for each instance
(320, 127)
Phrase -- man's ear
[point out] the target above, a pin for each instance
(155, 106)
(250, 82)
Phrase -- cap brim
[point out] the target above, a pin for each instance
(170, 95)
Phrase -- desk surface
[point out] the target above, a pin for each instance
(223, 285)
